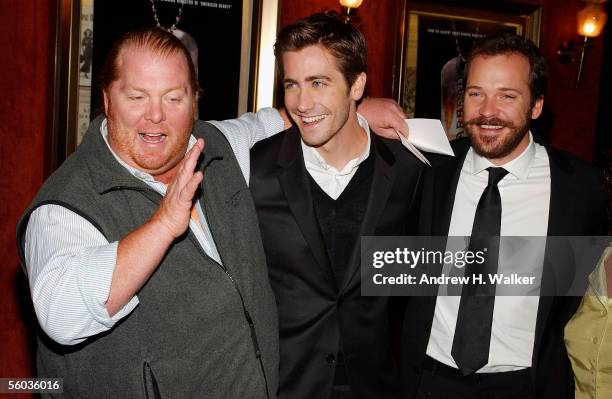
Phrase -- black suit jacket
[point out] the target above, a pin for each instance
(314, 311)
(577, 208)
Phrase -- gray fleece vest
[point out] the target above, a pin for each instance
(201, 330)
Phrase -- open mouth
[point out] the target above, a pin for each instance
(311, 120)
(152, 138)
(491, 127)
(489, 124)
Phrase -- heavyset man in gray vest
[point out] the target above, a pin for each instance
(126, 223)
(142, 250)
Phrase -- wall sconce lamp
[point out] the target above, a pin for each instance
(349, 9)
(591, 20)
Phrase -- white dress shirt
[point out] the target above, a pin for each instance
(70, 263)
(525, 197)
(331, 180)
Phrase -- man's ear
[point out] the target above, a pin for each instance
(358, 86)
(105, 97)
(538, 106)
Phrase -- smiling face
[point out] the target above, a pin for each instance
(318, 98)
(498, 106)
(150, 110)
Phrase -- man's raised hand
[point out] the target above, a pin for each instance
(175, 209)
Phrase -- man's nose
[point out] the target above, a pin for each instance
(155, 111)
(488, 107)
(305, 101)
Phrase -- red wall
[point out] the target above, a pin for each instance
(570, 113)
(26, 37)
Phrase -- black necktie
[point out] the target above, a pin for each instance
(475, 317)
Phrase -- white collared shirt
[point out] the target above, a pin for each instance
(331, 180)
(525, 196)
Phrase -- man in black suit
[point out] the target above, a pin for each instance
(317, 189)
(514, 347)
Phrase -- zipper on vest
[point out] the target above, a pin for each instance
(246, 313)
(253, 335)
(249, 320)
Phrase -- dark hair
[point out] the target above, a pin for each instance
(343, 40)
(156, 40)
(513, 44)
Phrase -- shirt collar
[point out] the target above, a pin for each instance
(144, 176)
(597, 278)
(518, 167)
(313, 159)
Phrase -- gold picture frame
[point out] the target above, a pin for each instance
(434, 38)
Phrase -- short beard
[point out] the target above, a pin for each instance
(499, 146)
(120, 137)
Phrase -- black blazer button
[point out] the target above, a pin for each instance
(330, 358)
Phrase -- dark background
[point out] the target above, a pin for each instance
(218, 34)
(435, 50)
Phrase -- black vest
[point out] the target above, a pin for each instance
(340, 219)
(190, 335)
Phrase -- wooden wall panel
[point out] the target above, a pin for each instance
(26, 76)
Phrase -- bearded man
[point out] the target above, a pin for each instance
(504, 182)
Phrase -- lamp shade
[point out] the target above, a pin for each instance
(591, 20)
(351, 3)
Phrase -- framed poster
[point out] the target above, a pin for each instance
(222, 36)
(435, 40)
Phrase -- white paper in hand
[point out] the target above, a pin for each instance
(418, 154)
(427, 135)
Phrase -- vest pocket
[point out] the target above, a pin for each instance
(151, 389)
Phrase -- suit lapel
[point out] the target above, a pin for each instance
(560, 196)
(382, 182)
(443, 198)
(294, 182)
